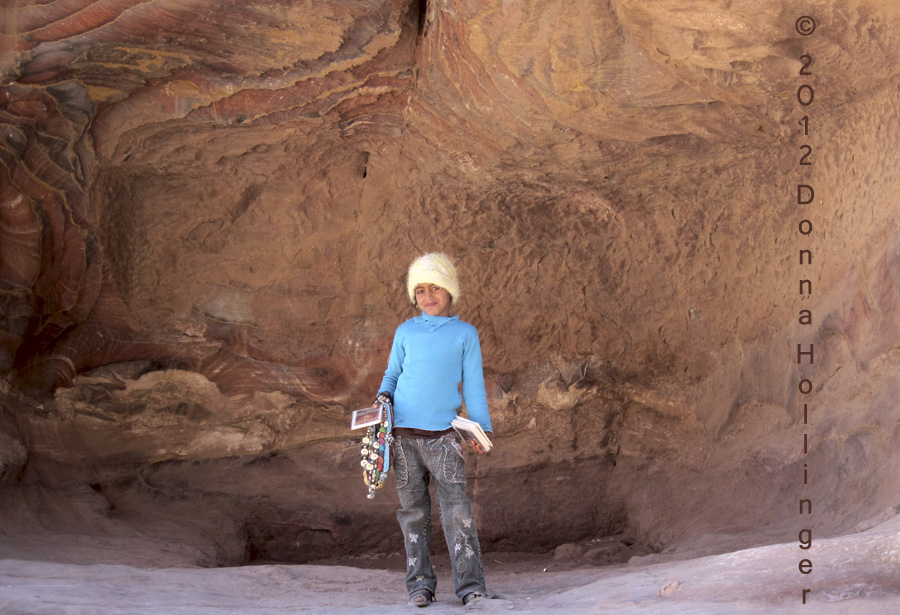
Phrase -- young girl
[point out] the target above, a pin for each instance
(431, 355)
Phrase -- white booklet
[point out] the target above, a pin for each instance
(471, 432)
(366, 416)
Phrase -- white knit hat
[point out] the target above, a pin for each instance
(434, 268)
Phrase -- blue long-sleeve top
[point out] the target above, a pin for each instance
(430, 356)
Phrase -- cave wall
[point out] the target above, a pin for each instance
(207, 212)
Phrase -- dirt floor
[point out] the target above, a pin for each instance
(851, 574)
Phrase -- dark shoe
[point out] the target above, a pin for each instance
(478, 602)
(472, 598)
(421, 597)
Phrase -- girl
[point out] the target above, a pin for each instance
(431, 355)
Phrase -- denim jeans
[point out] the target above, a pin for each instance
(416, 462)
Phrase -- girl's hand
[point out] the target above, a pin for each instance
(382, 398)
(478, 448)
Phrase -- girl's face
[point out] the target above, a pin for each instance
(432, 299)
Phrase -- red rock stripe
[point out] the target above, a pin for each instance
(95, 16)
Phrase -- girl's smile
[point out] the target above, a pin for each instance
(432, 299)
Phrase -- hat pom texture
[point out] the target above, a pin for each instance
(434, 268)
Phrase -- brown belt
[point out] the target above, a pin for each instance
(424, 434)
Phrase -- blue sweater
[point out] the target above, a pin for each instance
(430, 356)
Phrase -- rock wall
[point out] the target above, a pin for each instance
(207, 211)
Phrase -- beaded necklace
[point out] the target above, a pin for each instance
(376, 448)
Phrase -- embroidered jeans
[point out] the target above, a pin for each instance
(416, 462)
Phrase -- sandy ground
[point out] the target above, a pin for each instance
(857, 573)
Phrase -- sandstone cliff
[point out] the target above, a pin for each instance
(206, 211)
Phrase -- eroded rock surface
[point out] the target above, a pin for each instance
(206, 211)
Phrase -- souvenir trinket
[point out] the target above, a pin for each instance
(376, 448)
